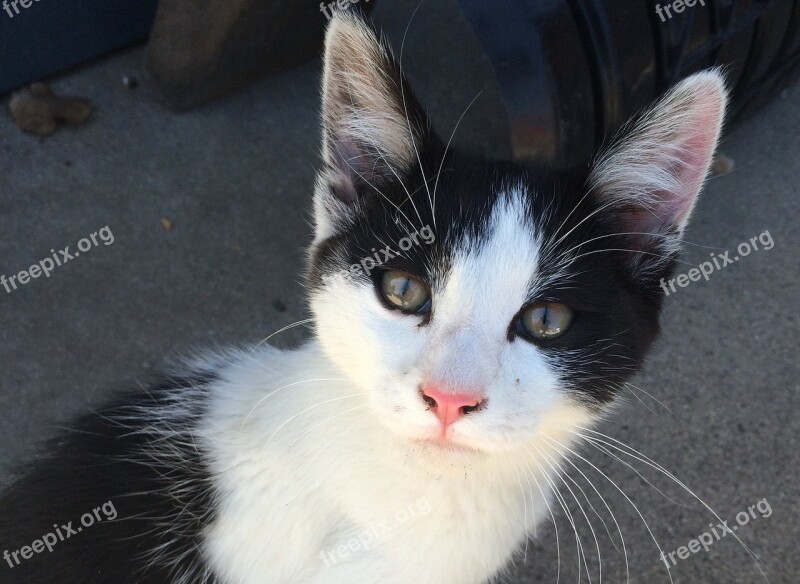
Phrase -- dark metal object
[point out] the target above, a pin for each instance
(571, 71)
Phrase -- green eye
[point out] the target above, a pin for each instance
(405, 291)
(546, 320)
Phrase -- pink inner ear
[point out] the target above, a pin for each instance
(656, 172)
(348, 160)
(671, 207)
(695, 156)
(685, 160)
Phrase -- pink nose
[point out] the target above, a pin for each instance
(447, 406)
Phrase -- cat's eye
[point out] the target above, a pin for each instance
(546, 320)
(405, 291)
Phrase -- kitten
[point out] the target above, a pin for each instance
(472, 318)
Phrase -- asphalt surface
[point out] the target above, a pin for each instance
(235, 180)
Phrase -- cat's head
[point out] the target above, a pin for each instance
(481, 303)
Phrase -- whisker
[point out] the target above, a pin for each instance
(622, 234)
(654, 398)
(385, 197)
(247, 417)
(567, 513)
(613, 517)
(402, 184)
(525, 507)
(610, 454)
(586, 497)
(624, 386)
(658, 255)
(549, 461)
(286, 328)
(528, 470)
(551, 245)
(444, 156)
(315, 426)
(308, 409)
(643, 458)
(627, 498)
(405, 110)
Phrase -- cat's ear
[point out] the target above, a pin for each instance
(372, 125)
(651, 176)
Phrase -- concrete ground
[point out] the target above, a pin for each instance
(235, 179)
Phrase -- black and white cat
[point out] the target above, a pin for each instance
(472, 319)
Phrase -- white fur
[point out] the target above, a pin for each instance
(313, 447)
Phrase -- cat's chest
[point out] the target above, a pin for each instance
(335, 498)
(468, 530)
(365, 521)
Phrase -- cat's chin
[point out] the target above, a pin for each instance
(445, 451)
(440, 455)
(447, 446)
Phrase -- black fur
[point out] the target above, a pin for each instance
(161, 502)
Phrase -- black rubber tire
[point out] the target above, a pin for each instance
(571, 71)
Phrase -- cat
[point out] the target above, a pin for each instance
(413, 439)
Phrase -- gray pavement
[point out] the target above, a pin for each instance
(235, 177)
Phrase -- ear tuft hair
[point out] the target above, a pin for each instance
(651, 175)
(372, 124)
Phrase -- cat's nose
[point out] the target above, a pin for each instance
(450, 406)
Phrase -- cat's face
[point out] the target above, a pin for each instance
(477, 303)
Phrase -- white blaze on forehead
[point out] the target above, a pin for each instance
(489, 281)
(493, 273)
